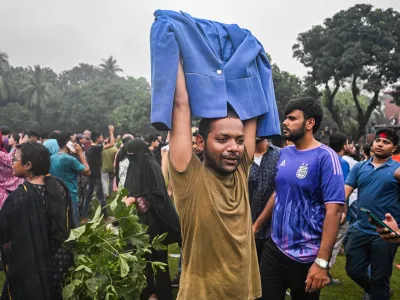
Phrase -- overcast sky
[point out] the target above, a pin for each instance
(61, 34)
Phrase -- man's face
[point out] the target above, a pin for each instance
(159, 138)
(11, 141)
(33, 139)
(100, 139)
(225, 145)
(87, 134)
(198, 150)
(20, 170)
(349, 148)
(155, 143)
(383, 148)
(294, 126)
(82, 141)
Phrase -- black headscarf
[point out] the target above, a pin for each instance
(144, 179)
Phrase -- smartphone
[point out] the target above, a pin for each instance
(377, 221)
(71, 147)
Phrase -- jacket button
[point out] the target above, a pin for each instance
(219, 72)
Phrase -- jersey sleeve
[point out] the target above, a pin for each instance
(332, 181)
(351, 180)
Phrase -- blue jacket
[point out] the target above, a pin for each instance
(222, 64)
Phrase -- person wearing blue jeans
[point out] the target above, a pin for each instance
(377, 180)
(94, 183)
(94, 157)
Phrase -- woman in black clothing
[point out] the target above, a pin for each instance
(146, 186)
(34, 223)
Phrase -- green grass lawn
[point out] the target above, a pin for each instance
(348, 291)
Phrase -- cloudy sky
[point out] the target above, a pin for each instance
(61, 34)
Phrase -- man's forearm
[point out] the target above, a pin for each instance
(267, 212)
(330, 231)
(112, 138)
(83, 160)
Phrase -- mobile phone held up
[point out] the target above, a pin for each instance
(377, 222)
(71, 147)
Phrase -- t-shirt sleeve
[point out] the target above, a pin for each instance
(182, 181)
(246, 162)
(76, 165)
(332, 181)
(346, 169)
(351, 180)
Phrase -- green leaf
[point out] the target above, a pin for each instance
(70, 290)
(124, 266)
(157, 242)
(83, 267)
(92, 284)
(76, 233)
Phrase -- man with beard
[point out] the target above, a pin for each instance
(218, 249)
(377, 180)
(306, 208)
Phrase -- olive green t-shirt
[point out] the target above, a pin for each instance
(108, 156)
(218, 248)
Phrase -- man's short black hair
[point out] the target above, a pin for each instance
(33, 133)
(5, 130)
(390, 134)
(310, 107)
(206, 123)
(337, 141)
(95, 135)
(44, 135)
(152, 138)
(63, 138)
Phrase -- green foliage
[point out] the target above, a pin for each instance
(358, 48)
(109, 261)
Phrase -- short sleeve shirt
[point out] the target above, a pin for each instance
(67, 167)
(305, 182)
(378, 191)
(218, 247)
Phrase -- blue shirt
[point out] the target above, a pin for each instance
(67, 167)
(305, 182)
(222, 64)
(345, 167)
(262, 186)
(378, 191)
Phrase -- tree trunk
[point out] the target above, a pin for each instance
(364, 118)
(330, 105)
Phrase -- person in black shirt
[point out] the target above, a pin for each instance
(93, 155)
(154, 142)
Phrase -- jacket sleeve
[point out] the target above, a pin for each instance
(164, 67)
(268, 124)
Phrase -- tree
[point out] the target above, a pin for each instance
(36, 94)
(287, 87)
(110, 68)
(6, 90)
(357, 48)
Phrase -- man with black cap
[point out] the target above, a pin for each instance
(377, 180)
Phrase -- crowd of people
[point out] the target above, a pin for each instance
(254, 217)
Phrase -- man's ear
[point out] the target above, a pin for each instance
(200, 142)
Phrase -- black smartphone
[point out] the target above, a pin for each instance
(377, 221)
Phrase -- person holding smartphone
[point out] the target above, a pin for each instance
(377, 180)
(388, 235)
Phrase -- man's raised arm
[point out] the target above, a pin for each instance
(180, 140)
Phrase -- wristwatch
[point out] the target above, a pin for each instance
(322, 263)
